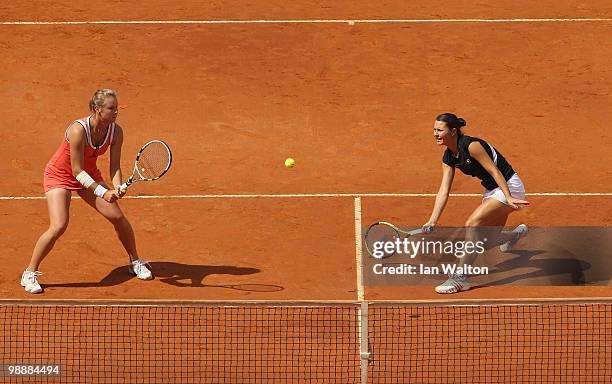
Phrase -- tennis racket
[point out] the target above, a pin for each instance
(152, 162)
(381, 233)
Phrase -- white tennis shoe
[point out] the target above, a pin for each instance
(141, 269)
(454, 284)
(519, 232)
(29, 280)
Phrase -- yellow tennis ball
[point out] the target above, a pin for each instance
(289, 163)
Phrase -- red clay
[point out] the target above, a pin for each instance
(212, 249)
(304, 10)
(235, 101)
(353, 105)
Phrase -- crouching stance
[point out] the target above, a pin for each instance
(73, 168)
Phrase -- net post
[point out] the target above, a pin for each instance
(364, 347)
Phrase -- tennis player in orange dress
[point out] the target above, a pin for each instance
(73, 168)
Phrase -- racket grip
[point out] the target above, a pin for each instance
(124, 186)
(428, 229)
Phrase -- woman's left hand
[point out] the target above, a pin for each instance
(516, 203)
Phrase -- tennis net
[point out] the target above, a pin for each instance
(308, 342)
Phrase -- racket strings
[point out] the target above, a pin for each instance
(377, 236)
(153, 161)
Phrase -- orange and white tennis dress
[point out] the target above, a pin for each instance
(58, 172)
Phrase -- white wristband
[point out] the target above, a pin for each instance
(100, 191)
(84, 178)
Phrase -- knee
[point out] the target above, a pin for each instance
(58, 229)
(473, 222)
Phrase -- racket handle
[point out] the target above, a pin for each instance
(124, 186)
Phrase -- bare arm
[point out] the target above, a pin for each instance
(448, 174)
(478, 152)
(115, 157)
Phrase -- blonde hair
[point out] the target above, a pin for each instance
(98, 98)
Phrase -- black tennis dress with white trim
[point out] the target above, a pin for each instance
(472, 167)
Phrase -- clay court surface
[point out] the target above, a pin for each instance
(353, 105)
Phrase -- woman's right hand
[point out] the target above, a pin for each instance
(428, 226)
(111, 196)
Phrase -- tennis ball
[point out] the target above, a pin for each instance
(289, 163)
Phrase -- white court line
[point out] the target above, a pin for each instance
(322, 21)
(353, 195)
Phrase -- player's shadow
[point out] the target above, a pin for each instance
(567, 270)
(178, 275)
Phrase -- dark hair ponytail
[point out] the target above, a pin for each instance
(452, 121)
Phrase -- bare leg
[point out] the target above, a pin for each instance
(487, 220)
(113, 213)
(58, 203)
